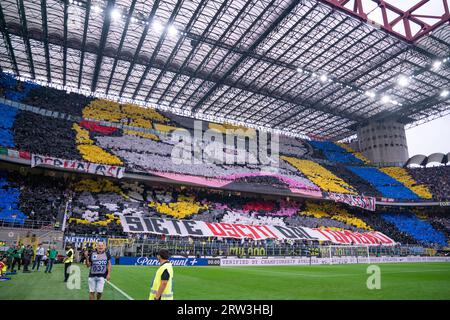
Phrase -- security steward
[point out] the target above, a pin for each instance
(68, 261)
(162, 283)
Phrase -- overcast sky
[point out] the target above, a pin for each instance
(431, 137)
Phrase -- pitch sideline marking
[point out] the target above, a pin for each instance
(118, 289)
(332, 275)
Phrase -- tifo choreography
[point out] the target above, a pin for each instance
(171, 227)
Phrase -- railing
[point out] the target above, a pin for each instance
(231, 247)
(29, 224)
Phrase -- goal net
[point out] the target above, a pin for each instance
(344, 254)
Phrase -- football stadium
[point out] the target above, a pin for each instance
(223, 150)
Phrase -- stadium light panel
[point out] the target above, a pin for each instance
(96, 9)
(172, 31)
(385, 99)
(370, 94)
(323, 78)
(115, 14)
(157, 26)
(403, 81)
(437, 64)
(444, 93)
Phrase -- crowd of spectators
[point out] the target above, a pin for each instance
(436, 179)
(147, 146)
(45, 136)
(419, 229)
(94, 206)
(31, 198)
(335, 153)
(385, 184)
(364, 188)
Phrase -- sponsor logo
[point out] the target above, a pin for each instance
(179, 262)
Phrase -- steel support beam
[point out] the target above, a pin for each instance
(222, 61)
(280, 58)
(176, 48)
(122, 41)
(7, 40)
(23, 20)
(83, 43)
(388, 10)
(161, 39)
(105, 30)
(298, 58)
(141, 42)
(66, 18)
(45, 31)
(255, 44)
(191, 53)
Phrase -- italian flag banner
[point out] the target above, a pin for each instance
(15, 154)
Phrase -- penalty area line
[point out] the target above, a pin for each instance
(118, 289)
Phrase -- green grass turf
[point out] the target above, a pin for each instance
(398, 281)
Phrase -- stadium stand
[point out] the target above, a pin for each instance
(146, 145)
(9, 202)
(358, 155)
(388, 186)
(6, 124)
(436, 179)
(326, 180)
(45, 136)
(95, 205)
(421, 230)
(30, 198)
(358, 183)
(335, 153)
(401, 175)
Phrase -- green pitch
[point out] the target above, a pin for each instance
(398, 281)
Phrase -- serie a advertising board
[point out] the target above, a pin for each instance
(232, 262)
(177, 262)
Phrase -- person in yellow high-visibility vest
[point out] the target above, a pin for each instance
(68, 261)
(162, 283)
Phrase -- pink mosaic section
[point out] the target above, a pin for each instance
(295, 186)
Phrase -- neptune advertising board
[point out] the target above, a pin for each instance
(178, 262)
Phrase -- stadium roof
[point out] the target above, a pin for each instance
(314, 67)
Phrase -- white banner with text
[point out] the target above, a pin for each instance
(193, 228)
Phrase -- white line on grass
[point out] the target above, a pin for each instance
(320, 275)
(118, 289)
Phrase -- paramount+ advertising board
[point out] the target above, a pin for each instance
(177, 262)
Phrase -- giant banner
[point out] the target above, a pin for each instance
(139, 224)
(86, 167)
(367, 203)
